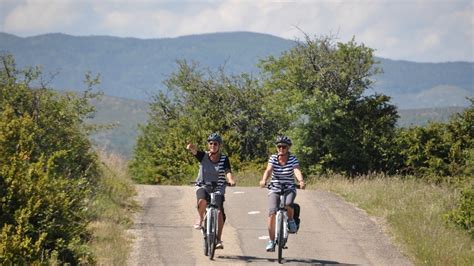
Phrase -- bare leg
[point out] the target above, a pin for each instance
(220, 222)
(290, 212)
(201, 206)
(271, 227)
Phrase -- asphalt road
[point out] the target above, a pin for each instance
(331, 232)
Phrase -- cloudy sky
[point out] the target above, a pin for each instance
(415, 30)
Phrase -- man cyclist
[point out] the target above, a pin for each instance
(213, 167)
(284, 167)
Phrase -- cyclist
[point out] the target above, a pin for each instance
(283, 167)
(213, 167)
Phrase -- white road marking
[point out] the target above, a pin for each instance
(263, 237)
(254, 212)
(239, 192)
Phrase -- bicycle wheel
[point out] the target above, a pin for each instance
(280, 237)
(212, 233)
(204, 234)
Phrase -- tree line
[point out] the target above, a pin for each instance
(318, 93)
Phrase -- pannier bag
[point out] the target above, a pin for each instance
(296, 215)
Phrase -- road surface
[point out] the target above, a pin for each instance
(331, 232)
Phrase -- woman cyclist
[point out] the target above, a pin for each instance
(213, 167)
(283, 167)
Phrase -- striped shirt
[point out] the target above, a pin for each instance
(283, 174)
(223, 166)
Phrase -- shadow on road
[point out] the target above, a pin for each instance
(286, 260)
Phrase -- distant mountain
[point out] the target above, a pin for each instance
(134, 68)
(421, 117)
(127, 114)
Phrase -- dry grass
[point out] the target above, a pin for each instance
(113, 206)
(413, 211)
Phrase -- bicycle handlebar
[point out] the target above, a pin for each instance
(283, 186)
(211, 183)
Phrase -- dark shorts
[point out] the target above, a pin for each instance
(274, 201)
(203, 193)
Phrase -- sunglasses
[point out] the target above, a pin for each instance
(213, 143)
(282, 146)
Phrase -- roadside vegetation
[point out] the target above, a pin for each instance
(59, 203)
(114, 207)
(414, 213)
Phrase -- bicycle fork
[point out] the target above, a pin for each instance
(285, 225)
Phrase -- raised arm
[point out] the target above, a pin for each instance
(192, 148)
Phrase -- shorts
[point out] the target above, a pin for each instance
(203, 193)
(274, 201)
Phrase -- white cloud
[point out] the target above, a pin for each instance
(40, 16)
(413, 30)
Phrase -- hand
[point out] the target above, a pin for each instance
(231, 183)
(302, 184)
(190, 146)
(262, 183)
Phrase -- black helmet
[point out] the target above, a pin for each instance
(283, 139)
(214, 137)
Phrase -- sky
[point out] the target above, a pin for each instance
(414, 30)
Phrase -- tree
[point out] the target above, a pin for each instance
(197, 103)
(322, 88)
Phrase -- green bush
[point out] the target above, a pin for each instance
(463, 215)
(438, 151)
(48, 172)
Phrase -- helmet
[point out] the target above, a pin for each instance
(284, 140)
(214, 137)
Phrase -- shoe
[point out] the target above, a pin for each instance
(292, 226)
(219, 245)
(197, 225)
(270, 246)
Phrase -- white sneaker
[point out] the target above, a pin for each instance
(219, 245)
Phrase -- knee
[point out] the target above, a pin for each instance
(201, 202)
(272, 212)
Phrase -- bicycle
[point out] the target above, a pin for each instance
(210, 228)
(281, 223)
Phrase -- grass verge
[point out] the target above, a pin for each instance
(113, 206)
(414, 214)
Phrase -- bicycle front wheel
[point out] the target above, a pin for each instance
(280, 236)
(212, 235)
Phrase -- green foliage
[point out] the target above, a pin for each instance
(47, 171)
(199, 103)
(463, 214)
(335, 126)
(438, 150)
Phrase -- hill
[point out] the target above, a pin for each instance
(135, 68)
(128, 114)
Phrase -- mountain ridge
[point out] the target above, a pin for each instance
(135, 68)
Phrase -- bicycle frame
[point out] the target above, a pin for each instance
(281, 225)
(211, 228)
